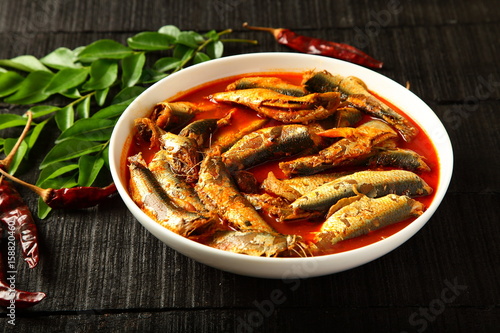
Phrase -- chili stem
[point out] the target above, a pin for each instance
(43, 193)
(8, 159)
(271, 30)
(275, 32)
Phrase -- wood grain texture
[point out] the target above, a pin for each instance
(345, 319)
(137, 15)
(103, 271)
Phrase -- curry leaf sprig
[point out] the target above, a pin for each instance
(98, 82)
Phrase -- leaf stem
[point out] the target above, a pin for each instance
(236, 40)
(224, 32)
(76, 101)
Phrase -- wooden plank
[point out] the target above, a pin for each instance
(138, 15)
(473, 136)
(436, 316)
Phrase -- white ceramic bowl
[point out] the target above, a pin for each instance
(279, 268)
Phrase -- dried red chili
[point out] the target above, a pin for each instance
(9, 295)
(320, 46)
(14, 213)
(77, 197)
(16, 216)
(68, 198)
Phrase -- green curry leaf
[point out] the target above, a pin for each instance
(189, 39)
(200, 57)
(70, 149)
(61, 58)
(167, 63)
(151, 41)
(100, 96)
(132, 69)
(127, 94)
(89, 167)
(55, 170)
(104, 49)
(88, 130)
(65, 79)
(32, 138)
(9, 83)
(32, 89)
(112, 111)
(83, 107)
(215, 49)
(43, 110)
(11, 120)
(26, 63)
(103, 73)
(170, 30)
(65, 117)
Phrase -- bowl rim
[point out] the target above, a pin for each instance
(370, 251)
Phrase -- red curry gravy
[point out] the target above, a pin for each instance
(199, 95)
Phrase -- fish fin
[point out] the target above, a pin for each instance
(345, 202)
(339, 132)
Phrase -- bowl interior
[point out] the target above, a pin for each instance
(283, 268)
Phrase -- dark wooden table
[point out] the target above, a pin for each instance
(102, 271)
